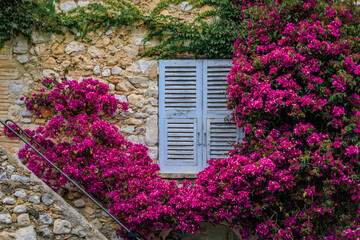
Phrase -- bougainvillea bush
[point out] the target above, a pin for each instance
(295, 90)
(91, 151)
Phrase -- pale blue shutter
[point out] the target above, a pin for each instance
(180, 116)
(218, 134)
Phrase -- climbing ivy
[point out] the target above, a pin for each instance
(210, 35)
(20, 17)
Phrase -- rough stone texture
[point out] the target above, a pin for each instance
(185, 6)
(23, 219)
(79, 203)
(62, 226)
(9, 201)
(20, 45)
(27, 233)
(46, 219)
(17, 178)
(5, 218)
(74, 47)
(47, 199)
(20, 194)
(34, 199)
(22, 59)
(31, 218)
(151, 136)
(67, 6)
(20, 209)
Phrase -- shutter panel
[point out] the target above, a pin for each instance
(180, 112)
(219, 134)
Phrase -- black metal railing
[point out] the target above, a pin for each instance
(130, 234)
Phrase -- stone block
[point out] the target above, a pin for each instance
(23, 219)
(74, 47)
(5, 218)
(68, 6)
(20, 45)
(62, 226)
(27, 233)
(152, 130)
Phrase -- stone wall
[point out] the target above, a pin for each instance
(30, 210)
(113, 57)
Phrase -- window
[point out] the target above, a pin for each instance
(192, 108)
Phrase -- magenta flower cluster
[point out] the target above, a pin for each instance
(294, 89)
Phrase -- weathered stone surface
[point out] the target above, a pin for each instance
(152, 91)
(27, 233)
(116, 70)
(97, 70)
(50, 73)
(26, 120)
(151, 110)
(62, 226)
(47, 199)
(46, 219)
(79, 231)
(136, 100)
(10, 168)
(95, 52)
(185, 6)
(20, 45)
(23, 219)
(139, 42)
(3, 177)
(96, 223)
(79, 203)
(108, 32)
(22, 58)
(154, 102)
(68, 6)
(5, 218)
(127, 129)
(151, 136)
(74, 47)
(106, 72)
(153, 152)
(20, 209)
(145, 66)
(17, 178)
(34, 199)
(26, 113)
(121, 98)
(111, 87)
(9, 201)
(15, 87)
(45, 231)
(83, 3)
(20, 193)
(139, 82)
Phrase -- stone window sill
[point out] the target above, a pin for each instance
(178, 175)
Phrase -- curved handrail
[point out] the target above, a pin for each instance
(130, 234)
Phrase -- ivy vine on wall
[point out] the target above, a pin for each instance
(210, 35)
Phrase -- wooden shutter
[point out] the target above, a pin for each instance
(218, 133)
(180, 115)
